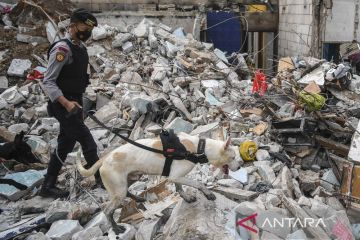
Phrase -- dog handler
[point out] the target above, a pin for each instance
(65, 81)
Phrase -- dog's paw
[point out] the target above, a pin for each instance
(188, 198)
(210, 196)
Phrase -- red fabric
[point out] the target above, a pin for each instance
(35, 75)
(259, 85)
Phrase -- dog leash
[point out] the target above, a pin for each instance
(193, 157)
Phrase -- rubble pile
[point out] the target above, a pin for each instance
(294, 143)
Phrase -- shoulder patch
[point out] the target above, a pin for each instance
(61, 48)
(60, 56)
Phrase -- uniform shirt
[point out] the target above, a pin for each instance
(59, 56)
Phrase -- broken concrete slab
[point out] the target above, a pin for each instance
(230, 183)
(297, 235)
(266, 219)
(180, 125)
(205, 130)
(98, 33)
(286, 182)
(268, 235)
(127, 47)
(58, 210)
(64, 229)
(236, 194)
(240, 175)
(148, 228)
(309, 180)
(18, 67)
(89, 233)
(99, 220)
(247, 208)
(120, 39)
(12, 96)
(265, 171)
(329, 181)
(37, 236)
(129, 233)
(36, 204)
(203, 218)
(262, 155)
(298, 212)
(4, 83)
(19, 127)
(30, 178)
(141, 31)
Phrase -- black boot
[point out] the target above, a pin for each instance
(49, 189)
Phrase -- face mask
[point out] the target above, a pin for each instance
(83, 35)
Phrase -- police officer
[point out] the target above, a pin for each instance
(65, 81)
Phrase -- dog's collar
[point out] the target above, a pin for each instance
(201, 146)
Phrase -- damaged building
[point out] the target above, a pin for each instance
(279, 78)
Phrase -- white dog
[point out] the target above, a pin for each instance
(126, 160)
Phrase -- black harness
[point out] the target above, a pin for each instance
(173, 149)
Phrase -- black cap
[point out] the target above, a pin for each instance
(83, 15)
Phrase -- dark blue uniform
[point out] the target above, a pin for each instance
(69, 79)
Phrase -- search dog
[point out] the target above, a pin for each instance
(129, 160)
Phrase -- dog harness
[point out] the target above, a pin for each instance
(173, 149)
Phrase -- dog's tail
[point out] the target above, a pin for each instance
(87, 172)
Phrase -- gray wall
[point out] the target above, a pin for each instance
(340, 22)
(295, 27)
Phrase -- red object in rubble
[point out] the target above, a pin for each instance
(35, 75)
(259, 85)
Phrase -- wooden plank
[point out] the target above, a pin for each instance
(330, 144)
(355, 185)
(346, 179)
(236, 193)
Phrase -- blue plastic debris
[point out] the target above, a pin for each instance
(25, 227)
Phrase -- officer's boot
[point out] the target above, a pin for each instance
(49, 189)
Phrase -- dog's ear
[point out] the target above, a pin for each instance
(227, 143)
(19, 137)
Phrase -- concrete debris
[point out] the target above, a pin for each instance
(38, 236)
(272, 216)
(241, 175)
(99, 32)
(30, 178)
(64, 229)
(100, 221)
(262, 155)
(12, 96)
(297, 235)
(192, 220)
(89, 233)
(18, 67)
(129, 233)
(180, 125)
